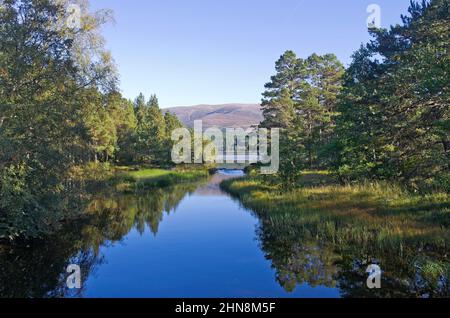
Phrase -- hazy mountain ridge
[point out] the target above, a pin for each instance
(225, 115)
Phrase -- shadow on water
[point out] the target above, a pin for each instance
(302, 258)
(312, 250)
(38, 269)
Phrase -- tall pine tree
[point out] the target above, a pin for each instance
(395, 110)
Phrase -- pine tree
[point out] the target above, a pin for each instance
(395, 110)
(301, 100)
(125, 122)
(285, 82)
(171, 123)
(317, 102)
(157, 131)
(140, 107)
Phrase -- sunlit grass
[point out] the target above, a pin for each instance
(148, 173)
(157, 178)
(104, 178)
(379, 213)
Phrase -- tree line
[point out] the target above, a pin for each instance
(60, 108)
(385, 117)
(126, 132)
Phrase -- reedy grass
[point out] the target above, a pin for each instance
(156, 178)
(380, 214)
(104, 177)
(407, 233)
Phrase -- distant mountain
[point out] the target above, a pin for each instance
(222, 116)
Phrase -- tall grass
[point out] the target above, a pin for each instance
(321, 232)
(381, 213)
(104, 177)
(156, 178)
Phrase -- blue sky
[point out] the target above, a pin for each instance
(192, 52)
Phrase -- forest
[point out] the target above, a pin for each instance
(384, 118)
(364, 163)
(61, 111)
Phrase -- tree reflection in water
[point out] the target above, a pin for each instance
(38, 269)
(305, 254)
(312, 249)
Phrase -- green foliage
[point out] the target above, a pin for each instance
(153, 143)
(394, 107)
(145, 179)
(124, 123)
(59, 109)
(384, 211)
(301, 100)
(44, 76)
(326, 234)
(385, 118)
(108, 219)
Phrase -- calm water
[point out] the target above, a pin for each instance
(206, 246)
(186, 241)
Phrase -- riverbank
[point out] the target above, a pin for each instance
(380, 214)
(407, 234)
(100, 179)
(106, 178)
(193, 221)
(145, 179)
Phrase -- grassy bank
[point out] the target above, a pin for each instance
(104, 177)
(326, 234)
(381, 214)
(144, 179)
(94, 180)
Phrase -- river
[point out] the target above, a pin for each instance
(191, 240)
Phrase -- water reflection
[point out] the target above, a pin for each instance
(38, 269)
(212, 188)
(303, 253)
(206, 247)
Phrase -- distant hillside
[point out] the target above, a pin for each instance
(222, 116)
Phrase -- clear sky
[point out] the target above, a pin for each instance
(192, 52)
